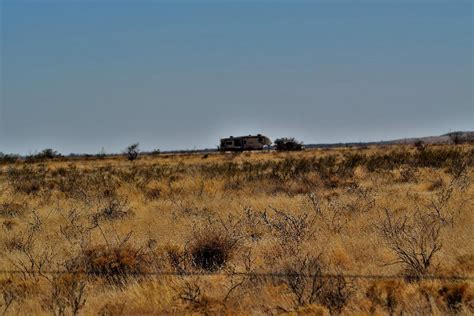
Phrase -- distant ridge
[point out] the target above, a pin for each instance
(449, 138)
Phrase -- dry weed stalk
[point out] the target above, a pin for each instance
(414, 242)
(68, 293)
(291, 230)
(309, 280)
(459, 183)
(33, 262)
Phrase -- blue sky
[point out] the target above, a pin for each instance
(81, 75)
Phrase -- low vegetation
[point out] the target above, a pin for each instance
(288, 144)
(379, 230)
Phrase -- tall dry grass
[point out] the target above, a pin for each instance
(257, 232)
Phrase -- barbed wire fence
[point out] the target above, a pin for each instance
(251, 274)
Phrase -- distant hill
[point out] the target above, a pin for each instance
(450, 138)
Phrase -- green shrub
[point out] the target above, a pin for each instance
(288, 144)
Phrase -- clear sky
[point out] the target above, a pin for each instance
(81, 75)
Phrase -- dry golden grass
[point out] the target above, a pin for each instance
(257, 232)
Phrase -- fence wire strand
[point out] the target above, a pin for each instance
(250, 274)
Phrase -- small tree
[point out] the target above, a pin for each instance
(48, 153)
(132, 151)
(45, 154)
(288, 144)
(8, 158)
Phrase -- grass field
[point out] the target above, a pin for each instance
(256, 232)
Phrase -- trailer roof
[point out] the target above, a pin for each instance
(247, 136)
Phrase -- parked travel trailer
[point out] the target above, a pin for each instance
(241, 143)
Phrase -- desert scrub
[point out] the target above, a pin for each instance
(238, 222)
(211, 250)
(414, 241)
(310, 281)
(115, 264)
(112, 208)
(26, 180)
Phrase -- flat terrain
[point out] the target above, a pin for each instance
(379, 230)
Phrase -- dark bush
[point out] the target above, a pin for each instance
(45, 154)
(288, 144)
(48, 153)
(211, 251)
(8, 158)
